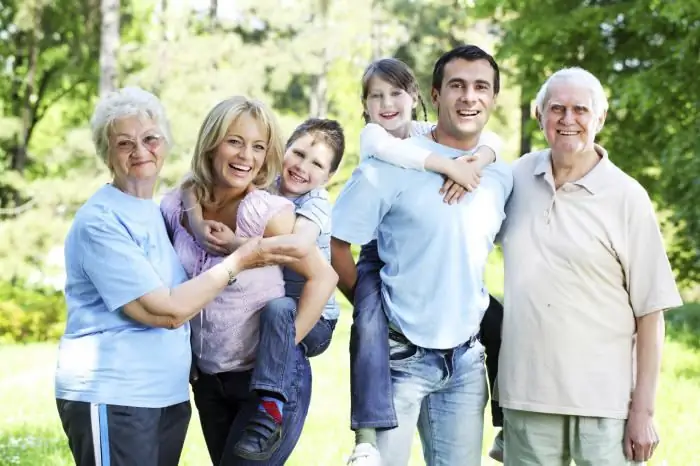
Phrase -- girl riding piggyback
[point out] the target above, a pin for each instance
(390, 97)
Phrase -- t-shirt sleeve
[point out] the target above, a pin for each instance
(421, 128)
(650, 281)
(116, 265)
(256, 209)
(376, 142)
(493, 141)
(316, 207)
(360, 207)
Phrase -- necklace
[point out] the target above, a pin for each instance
(433, 134)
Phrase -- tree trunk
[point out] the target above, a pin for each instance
(318, 102)
(109, 45)
(525, 135)
(28, 95)
(213, 13)
(376, 35)
(164, 37)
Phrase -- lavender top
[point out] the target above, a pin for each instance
(225, 334)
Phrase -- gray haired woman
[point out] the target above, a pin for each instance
(123, 363)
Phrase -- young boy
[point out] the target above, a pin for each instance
(314, 152)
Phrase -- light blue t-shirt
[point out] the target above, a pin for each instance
(315, 206)
(434, 253)
(118, 250)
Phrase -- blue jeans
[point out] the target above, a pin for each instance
(371, 403)
(225, 404)
(444, 393)
(371, 393)
(275, 361)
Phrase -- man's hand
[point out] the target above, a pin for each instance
(464, 175)
(212, 236)
(641, 438)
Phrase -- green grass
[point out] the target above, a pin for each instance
(30, 433)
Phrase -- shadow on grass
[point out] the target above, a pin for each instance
(683, 325)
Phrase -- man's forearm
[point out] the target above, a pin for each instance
(650, 340)
(344, 265)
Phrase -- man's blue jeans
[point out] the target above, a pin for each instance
(371, 393)
(444, 393)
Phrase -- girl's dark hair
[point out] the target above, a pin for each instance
(396, 73)
(329, 131)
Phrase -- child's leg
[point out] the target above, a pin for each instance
(491, 339)
(319, 337)
(275, 366)
(275, 360)
(371, 394)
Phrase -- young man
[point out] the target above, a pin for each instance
(435, 254)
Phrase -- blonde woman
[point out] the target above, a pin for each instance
(237, 156)
(124, 359)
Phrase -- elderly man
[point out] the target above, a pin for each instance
(586, 273)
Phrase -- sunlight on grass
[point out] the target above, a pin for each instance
(30, 432)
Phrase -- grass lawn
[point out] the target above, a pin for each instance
(30, 433)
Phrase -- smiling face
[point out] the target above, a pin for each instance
(238, 159)
(389, 106)
(466, 98)
(569, 121)
(307, 165)
(136, 149)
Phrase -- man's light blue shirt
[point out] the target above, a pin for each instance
(434, 253)
(117, 251)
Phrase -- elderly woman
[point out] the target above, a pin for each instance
(124, 360)
(238, 154)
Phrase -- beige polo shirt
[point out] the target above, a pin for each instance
(581, 263)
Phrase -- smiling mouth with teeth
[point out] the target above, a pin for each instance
(568, 133)
(240, 168)
(296, 178)
(468, 113)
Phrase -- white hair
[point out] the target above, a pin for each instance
(582, 77)
(124, 103)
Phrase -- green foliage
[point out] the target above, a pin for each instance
(279, 52)
(646, 54)
(30, 314)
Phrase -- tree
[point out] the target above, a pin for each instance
(646, 54)
(109, 46)
(51, 61)
(46, 54)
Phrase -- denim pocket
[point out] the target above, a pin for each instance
(403, 353)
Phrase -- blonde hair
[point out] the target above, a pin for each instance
(213, 132)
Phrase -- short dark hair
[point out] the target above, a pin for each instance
(468, 53)
(396, 73)
(329, 131)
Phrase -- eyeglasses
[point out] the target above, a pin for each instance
(150, 141)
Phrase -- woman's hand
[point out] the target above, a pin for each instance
(261, 252)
